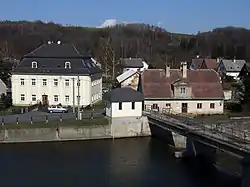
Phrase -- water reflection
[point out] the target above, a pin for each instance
(124, 162)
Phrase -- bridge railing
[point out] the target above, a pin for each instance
(231, 134)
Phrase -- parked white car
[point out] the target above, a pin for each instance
(57, 109)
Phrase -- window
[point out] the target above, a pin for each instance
(55, 82)
(22, 97)
(67, 65)
(22, 82)
(33, 82)
(168, 105)
(155, 106)
(199, 105)
(183, 90)
(33, 97)
(44, 82)
(133, 105)
(211, 105)
(56, 98)
(120, 106)
(67, 82)
(34, 64)
(67, 98)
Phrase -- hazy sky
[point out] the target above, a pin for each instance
(186, 16)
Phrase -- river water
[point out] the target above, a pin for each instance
(142, 162)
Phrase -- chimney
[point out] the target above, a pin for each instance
(184, 69)
(167, 71)
(218, 60)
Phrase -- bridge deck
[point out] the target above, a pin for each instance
(216, 135)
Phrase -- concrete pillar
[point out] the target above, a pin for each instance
(205, 153)
(245, 180)
(179, 141)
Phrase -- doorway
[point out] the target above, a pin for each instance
(184, 107)
(45, 100)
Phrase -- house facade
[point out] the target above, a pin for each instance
(123, 103)
(231, 68)
(56, 73)
(183, 91)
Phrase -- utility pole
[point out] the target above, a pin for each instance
(113, 66)
(74, 107)
(78, 97)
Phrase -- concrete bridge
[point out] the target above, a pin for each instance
(199, 139)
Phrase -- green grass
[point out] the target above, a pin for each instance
(54, 124)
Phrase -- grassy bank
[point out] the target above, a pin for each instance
(54, 124)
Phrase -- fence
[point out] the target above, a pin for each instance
(41, 117)
(230, 133)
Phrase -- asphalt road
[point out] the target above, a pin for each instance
(38, 116)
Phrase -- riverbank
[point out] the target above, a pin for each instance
(99, 128)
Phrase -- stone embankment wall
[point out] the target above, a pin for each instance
(120, 128)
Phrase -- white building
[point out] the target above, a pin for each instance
(182, 90)
(123, 102)
(131, 69)
(231, 68)
(124, 111)
(50, 74)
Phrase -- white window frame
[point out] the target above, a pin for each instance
(67, 65)
(22, 97)
(34, 64)
(44, 82)
(55, 82)
(67, 82)
(33, 82)
(183, 90)
(22, 82)
(67, 98)
(33, 97)
(56, 98)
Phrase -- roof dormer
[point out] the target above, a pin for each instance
(34, 64)
(67, 65)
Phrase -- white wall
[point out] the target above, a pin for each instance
(61, 90)
(96, 89)
(127, 111)
(233, 74)
(227, 94)
(192, 106)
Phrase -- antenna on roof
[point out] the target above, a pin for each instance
(49, 42)
(59, 42)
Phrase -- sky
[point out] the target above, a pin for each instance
(181, 16)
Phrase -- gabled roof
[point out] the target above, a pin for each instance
(124, 94)
(233, 65)
(205, 83)
(51, 58)
(55, 50)
(211, 63)
(132, 62)
(196, 63)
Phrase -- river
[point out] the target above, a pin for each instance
(141, 162)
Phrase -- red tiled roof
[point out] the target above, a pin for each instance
(205, 83)
(211, 63)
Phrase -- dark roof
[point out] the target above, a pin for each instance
(51, 59)
(132, 62)
(197, 62)
(205, 83)
(123, 95)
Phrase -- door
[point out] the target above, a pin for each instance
(45, 100)
(184, 107)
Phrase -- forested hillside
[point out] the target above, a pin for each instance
(154, 44)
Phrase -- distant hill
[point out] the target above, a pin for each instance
(152, 43)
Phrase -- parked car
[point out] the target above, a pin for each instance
(57, 109)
